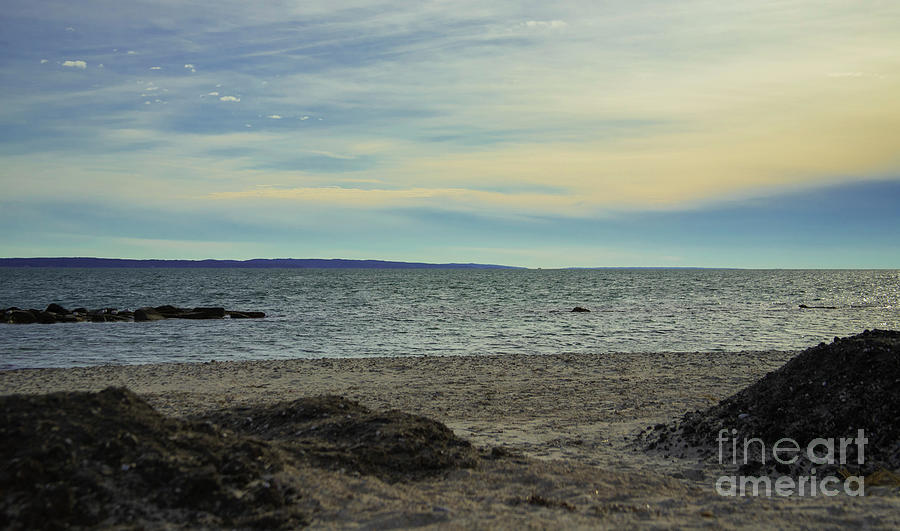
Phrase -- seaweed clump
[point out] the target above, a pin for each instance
(108, 458)
(337, 433)
(830, 391)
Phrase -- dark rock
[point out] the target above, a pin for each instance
(80, 310)
(580, 309)
(218, 312)
(108, 318)
(56, 308)
(21, 317)
(101, 311)
(57, 317)
(246, 315)
(148, 314)
(203, 313)
(196, 315)
(44, 317)
(170, 311)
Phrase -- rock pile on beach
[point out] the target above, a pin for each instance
(830, 391)
(54, 313)
(109, 459)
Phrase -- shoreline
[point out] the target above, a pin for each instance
(184, 388)
(570, 419)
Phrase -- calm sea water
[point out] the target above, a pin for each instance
(352, 313)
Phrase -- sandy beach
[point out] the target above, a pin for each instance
(566, 425)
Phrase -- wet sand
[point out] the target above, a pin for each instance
(567, 422)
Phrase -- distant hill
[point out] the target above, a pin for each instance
(257, 263)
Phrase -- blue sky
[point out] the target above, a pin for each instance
(621, 133)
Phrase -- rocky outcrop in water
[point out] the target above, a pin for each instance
(58, 314)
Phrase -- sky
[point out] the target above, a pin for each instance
(703, 133)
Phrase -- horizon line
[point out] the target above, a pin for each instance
(335, 263)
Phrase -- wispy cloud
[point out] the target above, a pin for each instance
(229, 99)
(545, 24)
(75, 64)
(332, 155)
(455, 198)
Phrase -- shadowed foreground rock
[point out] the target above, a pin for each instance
(109, 459)
(57, 314)
(828, 391)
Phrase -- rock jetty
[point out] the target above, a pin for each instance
(54, 313)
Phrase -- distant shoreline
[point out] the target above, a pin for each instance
(257, 263)
(342, 263)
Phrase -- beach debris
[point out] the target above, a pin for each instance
(863, 377)
(542, 501)
(609, 508)
(107, 459)
(58, 314)
(880, 478)
(334, 432)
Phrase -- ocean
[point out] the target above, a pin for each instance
(337, 313)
